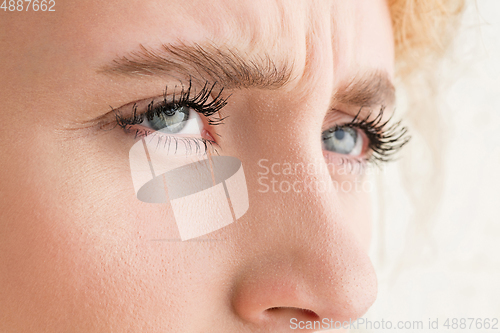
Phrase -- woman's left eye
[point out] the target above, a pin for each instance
(342, 140)
(174, 120)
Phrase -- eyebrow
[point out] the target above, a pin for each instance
(368, 89)
(228, 68)
(215, 64)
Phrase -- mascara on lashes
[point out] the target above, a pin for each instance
(384, 142)
(188, 98)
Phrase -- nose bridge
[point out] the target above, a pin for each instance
(304, 255)
(299, 248)
(301, 189)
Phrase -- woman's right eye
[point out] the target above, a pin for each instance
(174, 119)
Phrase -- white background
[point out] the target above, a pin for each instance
(460, 275)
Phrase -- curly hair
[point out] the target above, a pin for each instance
(423, 30)
(423, 33)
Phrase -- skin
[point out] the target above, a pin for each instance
(76, 249)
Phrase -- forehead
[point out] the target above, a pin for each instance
(350, 35)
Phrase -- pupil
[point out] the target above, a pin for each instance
(339, 134)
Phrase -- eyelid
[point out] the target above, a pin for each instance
(334, 118)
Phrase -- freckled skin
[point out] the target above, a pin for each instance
(75, 244)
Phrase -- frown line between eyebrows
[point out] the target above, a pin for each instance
(211, 63)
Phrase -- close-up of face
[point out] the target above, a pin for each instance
(278, 85)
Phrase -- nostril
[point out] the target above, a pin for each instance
(296, 312)
(310, 313)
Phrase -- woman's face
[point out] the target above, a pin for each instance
(79, 252)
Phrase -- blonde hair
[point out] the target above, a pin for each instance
(423, 34)
(423, 31)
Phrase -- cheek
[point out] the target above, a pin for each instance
(84, 244)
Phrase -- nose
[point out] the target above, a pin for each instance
(304, 261)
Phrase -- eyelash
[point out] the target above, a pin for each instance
(197, 101)
(383, 142)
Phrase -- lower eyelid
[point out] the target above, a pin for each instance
(174, 145)
(348, 164)
(168, 144)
